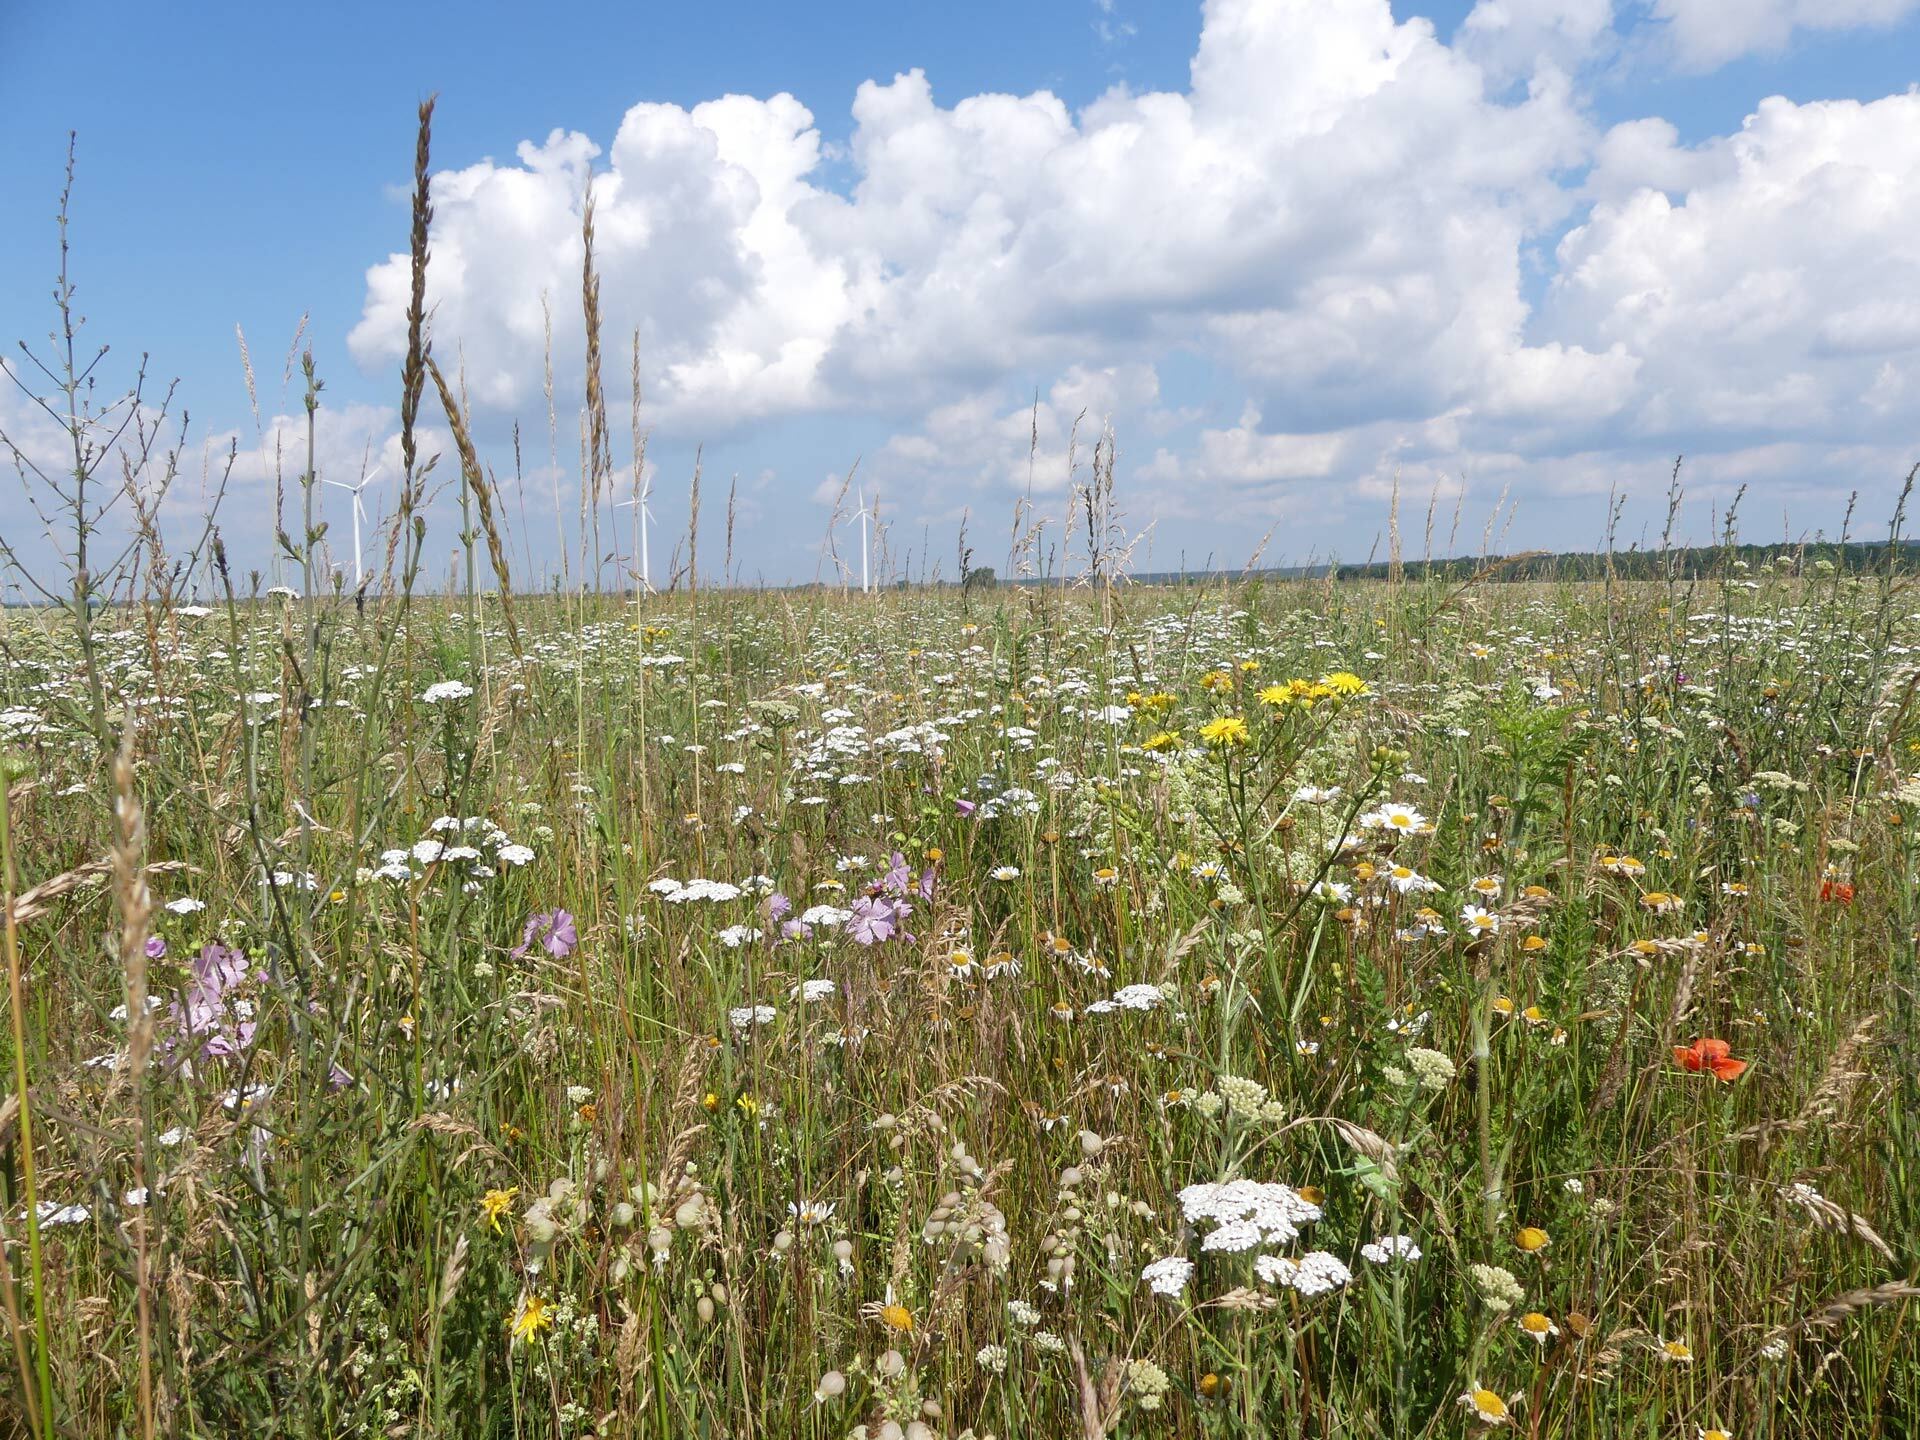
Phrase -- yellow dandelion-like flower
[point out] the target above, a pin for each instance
(1532, 1239)
(533, 1317)
(897, 1317)
(496, 1203)
(1227, 731)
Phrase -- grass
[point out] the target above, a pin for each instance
(1096, 1010)
(965, 1122)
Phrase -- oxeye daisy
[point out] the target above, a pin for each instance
(1480, 921)
(1485, 1406)
(1403, 819)
(1674, 1352)
(1537, 1327)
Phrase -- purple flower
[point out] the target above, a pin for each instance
(205, 1012)
(554, 930)
(873, 920)
(796, 930)
(926, 883)
(778, 905)
(965, 808)
(898, 876)
(216, 969)
(156, 947)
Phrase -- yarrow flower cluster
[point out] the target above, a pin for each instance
(1247, 1213)
(1389, 1248)
(1498, 1289)
(1314, 1273)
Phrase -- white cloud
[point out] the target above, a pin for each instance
(1705, 34)
(1337, 221)
(1374, 201)
(1770, 296)
(1510, 38)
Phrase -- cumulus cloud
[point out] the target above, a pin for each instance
(1345, 222)
(1771, 295)
(1705, 34)
(1510, 38)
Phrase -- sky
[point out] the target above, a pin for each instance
(1504, 258)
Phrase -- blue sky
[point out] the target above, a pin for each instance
(1346, 250)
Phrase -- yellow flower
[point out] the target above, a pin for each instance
(532, 1319)
(897, 1317)
(1537, 1327)
(1344, 682)
(1487, 1407)
(1164, 740)
(1226, 731)
(1216, 680)
(496, 1203)
(1532, 1239)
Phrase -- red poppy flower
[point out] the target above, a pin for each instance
(1710, 1055)
(1839, 890)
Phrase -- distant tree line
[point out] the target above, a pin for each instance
(1689, 563)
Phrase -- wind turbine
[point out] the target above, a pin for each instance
(639, 503)
(359, 512)
(865, 515)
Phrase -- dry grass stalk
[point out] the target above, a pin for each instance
(476, 482)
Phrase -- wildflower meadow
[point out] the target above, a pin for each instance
(1427, 1006)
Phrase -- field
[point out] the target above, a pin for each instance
(1307, 1008)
